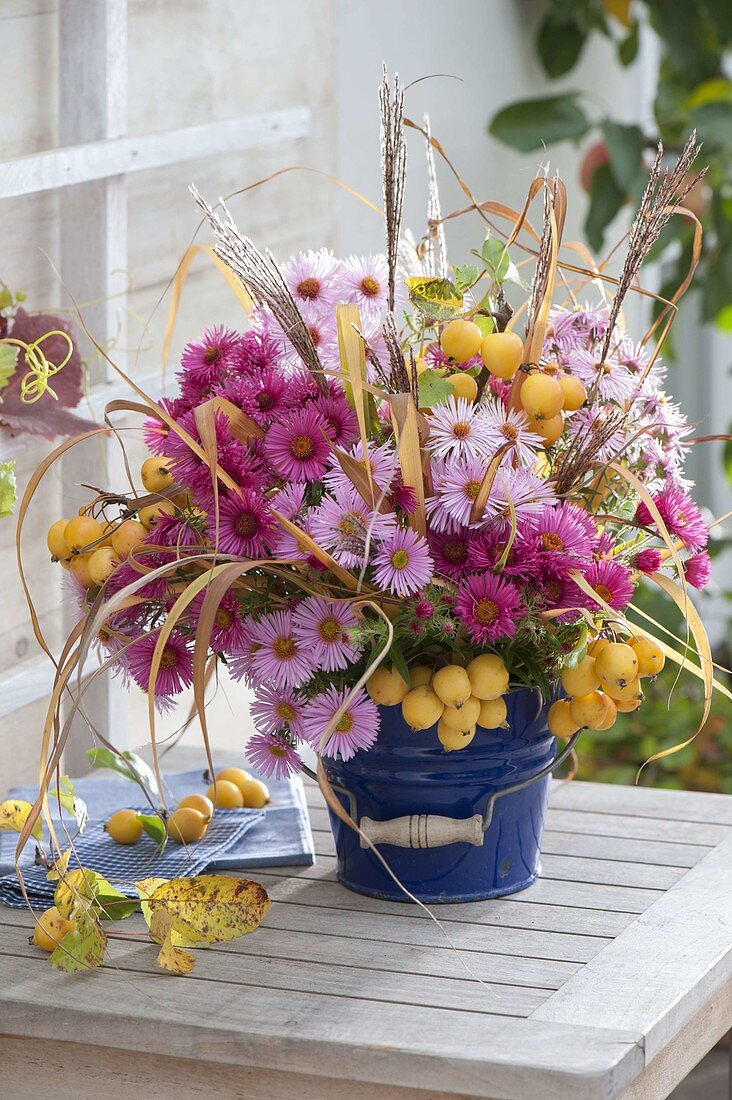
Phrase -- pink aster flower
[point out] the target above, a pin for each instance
(488, 606)
(278, 655)
(436, 357)
(489, 547)
(176, 665)
(382, 462)
(403, 563)
(229, 632)
(681, 516)
(297, 446)
(185, 528)
(321, 626)
(647, 561)
(154, 433)
(246, 525)
(274, 754)
(263, 396)
(365, 280)
(457, 484)
(612, 581)
(698, 569)
(258, 351)
(207, 360)
(561, 539)
(357, 728)
(314, 277)
(457, 430)
(275, 709)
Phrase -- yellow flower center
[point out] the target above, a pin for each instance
(169, 658)
(369, 286)
(461, 429)
(486, 611)
(472, 488)
(400, 559)
(552, 541)
(329, 629)
(302, 446)
(284, 648)
(224, 618)
(603, 592)
(285, 711)
(345, 724)
(509, 431)
(276, 750)
(211, 355)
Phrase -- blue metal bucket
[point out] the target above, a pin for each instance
(453, 826)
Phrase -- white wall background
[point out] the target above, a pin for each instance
(194, 60)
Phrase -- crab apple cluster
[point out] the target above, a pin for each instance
(454, 699)
(92, 548)
(605, 683)
(232, 789)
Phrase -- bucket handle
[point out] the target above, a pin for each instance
(435, 831)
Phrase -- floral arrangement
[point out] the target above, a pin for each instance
(398, 488)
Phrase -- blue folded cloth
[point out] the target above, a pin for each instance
(278, 836)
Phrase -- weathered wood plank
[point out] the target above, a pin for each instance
(657, 852)
(665, 966)
(461, 993)
(643, 802)
(461, 1052)
(434, 960)
(57, 1068)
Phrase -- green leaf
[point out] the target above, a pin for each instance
(465, 276)
(154, 826)
(628, 48)
(529, 124)
(396, 657)
(433, 389)
(496, 258)
(578, 653)
(67, 796)
(559, 43)
(713, 122)
(625, 145)
(82, 948)
(8, 488)
(127, 764)
(606, 199)
(8, 363)
(727, 458)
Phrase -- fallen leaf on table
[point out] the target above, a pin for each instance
(82, 948)
(14, 814)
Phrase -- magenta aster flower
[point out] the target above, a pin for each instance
(698, 569)
(488, 548)
(488, 606)
(322, 627)
(612, 581)
(246, 525)
(229, 632)
(274, 754)
(647, 561)
(275, 709)
(185, 528)
(176, 665)
(357, 728)
(365, 279)
(681, 516)
(436, 357)
(450, 550)
(341, 422)
(298, 447)
(263, 396)
(457, 430)
(207, 360)
(561, 539)
(257, 352)
(403, 563)
(278, 656)
(154, 433)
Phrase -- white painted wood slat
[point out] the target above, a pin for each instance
(76, 164)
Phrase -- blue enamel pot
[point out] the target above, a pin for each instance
(452, 826)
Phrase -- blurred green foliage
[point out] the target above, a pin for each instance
(694, 91)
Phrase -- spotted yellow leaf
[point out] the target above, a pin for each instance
(207, 908)
(82, 948)
(171, 957)
(437, 298)
(14, 814)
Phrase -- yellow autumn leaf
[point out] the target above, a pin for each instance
(75, 888)
(14, 814)
(58, 868)
(207, 908)
(170, 956)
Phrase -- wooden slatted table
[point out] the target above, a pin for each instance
(610, 977)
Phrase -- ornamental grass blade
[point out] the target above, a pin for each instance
(353, 362)
(481, 499)
(241, 426)
(359, 474)
(406, 428)
(309, 545)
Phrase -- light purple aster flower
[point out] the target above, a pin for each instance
(357, 728)
(365, 280)
(321, 626)
(314, 278)
(510, 426)
(274, 754)
(403, 563)
(561, 539)
(276, 708)
(279, 657)
(457, 431)
(344, 524)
